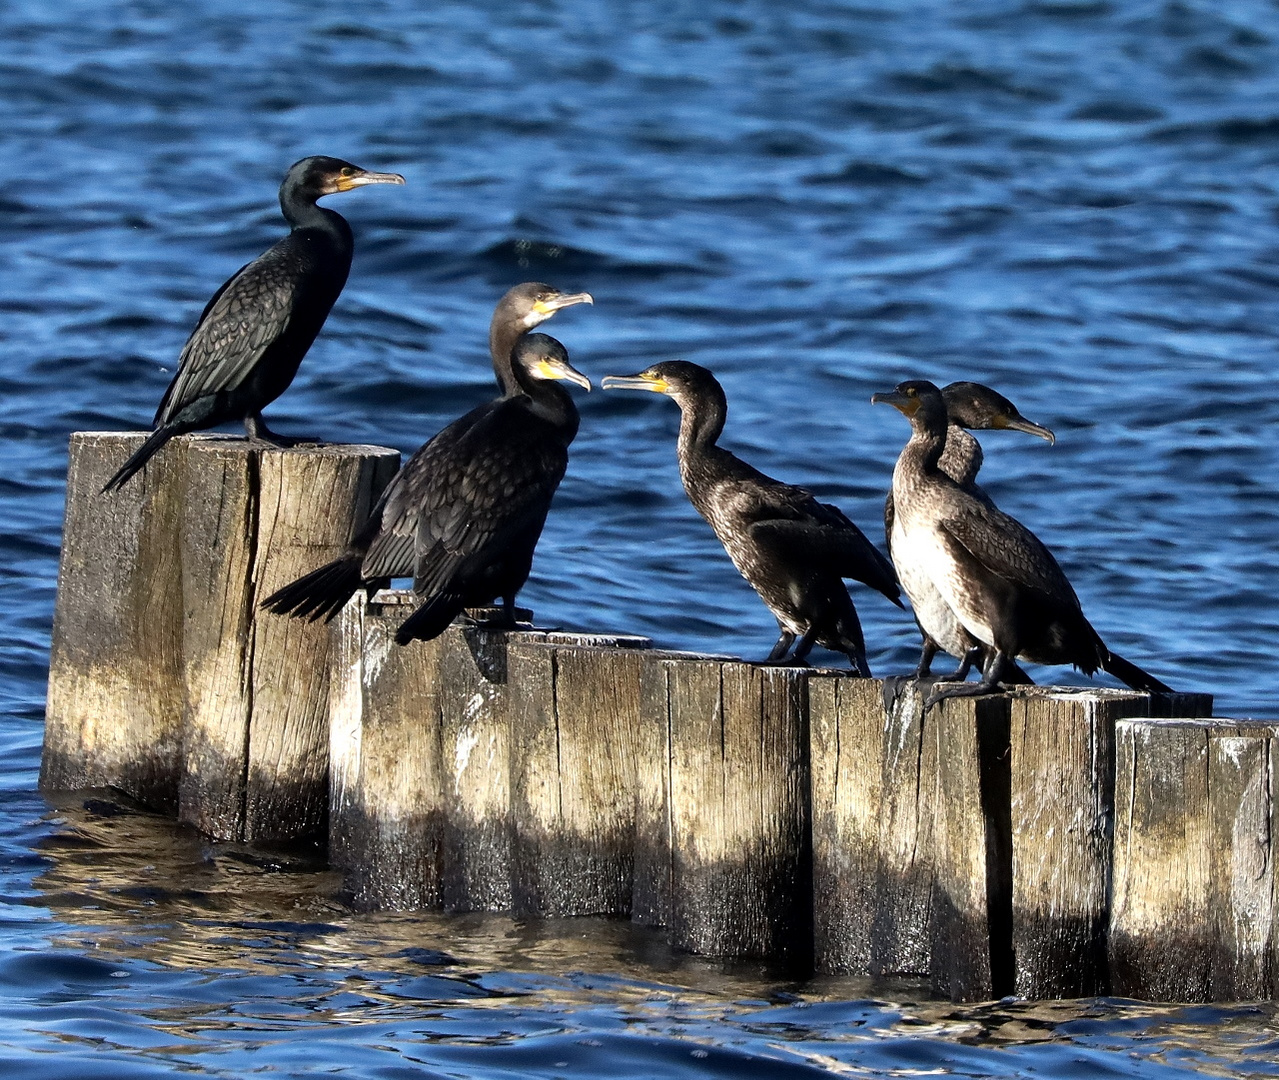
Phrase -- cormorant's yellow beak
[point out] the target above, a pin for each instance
(554, 369)
(1020, 423)
(906, 404)
(363, 177)
(642, 381)
(563, 300)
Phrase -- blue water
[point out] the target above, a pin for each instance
(1073, 200)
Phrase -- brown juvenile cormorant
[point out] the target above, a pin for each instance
(976, 407)
(1003, 585)
(254, 331)
(465, 512)
(793, 550)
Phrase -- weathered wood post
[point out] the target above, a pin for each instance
(485, 770)
(420, 788)
(876, 786)
(256, 725)
(575, 718)
(1063, 805)
(1194, 881)
(387, 770)
(226, 703)
(114, 712)
(734, 807)
(971, 949)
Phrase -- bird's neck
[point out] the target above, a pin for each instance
(504, 335)
(307, 214)
(701, 423)
(961, 460)
(919, 459)
(547, 400)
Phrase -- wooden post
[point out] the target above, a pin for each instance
(874, 794)
(114, 712)
(575, 715)
(1194, 885)
(483, 770)
(847, 729)
(386, 809)
(1063, 800)
(966, 742)
(1063, 768)
(257, 720)
(736, 807)
(166, 681)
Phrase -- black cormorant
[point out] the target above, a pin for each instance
(793, 550)
(465, 512)
(976, 407)
(1003, 585)
(254, 331)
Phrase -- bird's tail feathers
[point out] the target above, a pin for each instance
(322, 593)
(431, 619)
(1131, 675)
(138, 458)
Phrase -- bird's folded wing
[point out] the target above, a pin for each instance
(1006, 548)
(238, 325)
(835, 544)
(493, 482)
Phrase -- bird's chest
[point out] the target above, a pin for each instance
(939, 590)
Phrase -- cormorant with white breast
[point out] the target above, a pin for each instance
(1002, 584)
(970, 406)
(792, 549)
(254, 331)
(464, 514)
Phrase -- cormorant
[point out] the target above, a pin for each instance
(254, 331)
(1003, 585)
(969, 406)
(793, 550)
(465, 512)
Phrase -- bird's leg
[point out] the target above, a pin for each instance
(971, 657)
(255, 427)
(507, 619)
(926, 654)
(784, 641)
(989, 683)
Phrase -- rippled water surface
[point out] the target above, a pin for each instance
(1074, 201)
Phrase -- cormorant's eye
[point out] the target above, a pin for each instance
(911, 391)
(348, 171)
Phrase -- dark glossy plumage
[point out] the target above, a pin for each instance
(792, 549)
(969, 405)
(255, 330)
(1002, 583)
(464, 514)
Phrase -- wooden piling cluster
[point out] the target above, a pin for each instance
(163, 680)
(1047, 842)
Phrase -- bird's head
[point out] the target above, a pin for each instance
(314, 177)
(677, 379)
(532, 303)
(977, 407)
(540, 357)
(918, 400)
